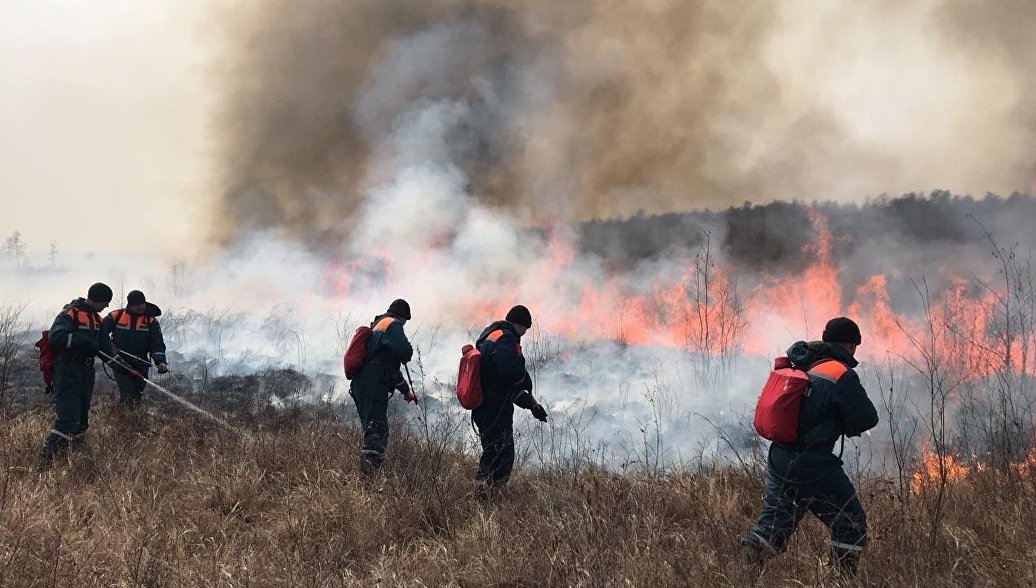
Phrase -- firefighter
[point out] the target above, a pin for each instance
(505, 383)
(380, 374)
(78, 337)
(806, 475)
(137, 338)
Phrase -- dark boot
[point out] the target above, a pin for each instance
(846, 562)
(753, 556)
(369, 465)
(46, 457)
(43, 461)
(55, 444)
(486, 491)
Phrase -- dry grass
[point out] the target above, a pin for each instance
(174, 502)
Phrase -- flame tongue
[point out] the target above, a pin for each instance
(698, 304)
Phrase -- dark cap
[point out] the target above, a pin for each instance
(135, 297)
(400, 308)
(842, 330)
(100, 293)
(520, 315)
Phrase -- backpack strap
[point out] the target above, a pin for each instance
(831, 370)
(380, 326)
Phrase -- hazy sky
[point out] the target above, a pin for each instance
(102, 123)
(108, 139)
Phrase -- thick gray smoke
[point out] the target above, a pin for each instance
(593, 108)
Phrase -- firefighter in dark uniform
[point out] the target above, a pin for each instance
(505, 383)
(137, 337)
(806, 476)
(77, 335)
(380, 374)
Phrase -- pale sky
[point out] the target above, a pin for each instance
(103, 117)
(106, 105)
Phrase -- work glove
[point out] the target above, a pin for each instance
(404, 389)
(538, 412)
(163, 368)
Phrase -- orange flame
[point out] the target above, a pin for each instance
(1028, 466)
(697, 307)
(934, 468)
(927, 474)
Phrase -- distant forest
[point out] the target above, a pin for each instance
(939, 235)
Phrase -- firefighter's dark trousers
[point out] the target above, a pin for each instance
(495, 423)
(370, 391)
(131, 389)
(73, 391)
(809, 481)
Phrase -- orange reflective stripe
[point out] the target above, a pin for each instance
(85, 320)
(122, 319)
(831, 370)
(125, 320)
(81, 318)
(495, 335)
(384, 324)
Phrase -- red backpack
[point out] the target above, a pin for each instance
(469, 378)
(777, 411)
(48, 357)
(356, 352)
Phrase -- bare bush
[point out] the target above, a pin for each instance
(900, 424)
(13, 337)
(717, 322)
(937, 368)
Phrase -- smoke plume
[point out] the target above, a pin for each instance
(596, 108)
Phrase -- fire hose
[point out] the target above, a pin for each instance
(130, 355)
(136, 374)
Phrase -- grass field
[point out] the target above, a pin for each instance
(168, 500)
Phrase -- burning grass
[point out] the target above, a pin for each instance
(171, 501)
